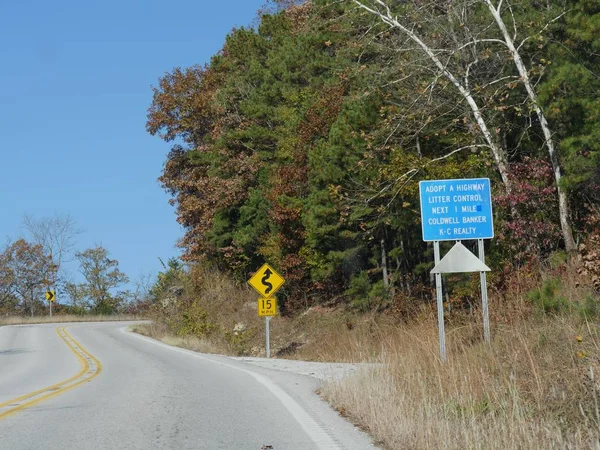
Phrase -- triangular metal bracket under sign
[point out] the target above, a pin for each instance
(459, 260)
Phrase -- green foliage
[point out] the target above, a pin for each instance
(589, 307)
(547, 300)
(558, 259)
(102, 277)
(172, 276)
(366, 296)
(359, 288)
(570, 94)
(25, 274)
(76, 310)
(194, 321)
(238, 340)
(302, 141)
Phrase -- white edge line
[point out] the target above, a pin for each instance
(308, 424)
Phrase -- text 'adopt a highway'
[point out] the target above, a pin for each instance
(456, 209)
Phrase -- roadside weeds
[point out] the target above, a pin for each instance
(535, 386)
(159, 332)
(530, 389)
(26, 320)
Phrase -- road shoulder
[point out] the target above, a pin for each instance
(295, 384)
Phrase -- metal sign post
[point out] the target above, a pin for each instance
(267, 307)
(268, 337)
(457, 210)
(484, 296)
(51, 297)
(440, 303)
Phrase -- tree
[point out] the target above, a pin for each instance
(302, 141)
(137, 300)
(8, 300)
(446, 48)
(77, 296)
(569, 94)
(171, 277)
(464, 15)
(29, 272)
(102, 276)
(529, 84)
(56, 236)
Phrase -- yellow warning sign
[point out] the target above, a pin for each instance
(267, 306)
(50, 296)
(266, 281)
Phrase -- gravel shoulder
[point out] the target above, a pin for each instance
(320, 370)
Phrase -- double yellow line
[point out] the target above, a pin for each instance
(90, 368)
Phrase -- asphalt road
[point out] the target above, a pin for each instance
(98, 386)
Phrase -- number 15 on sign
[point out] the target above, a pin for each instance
(267, 307)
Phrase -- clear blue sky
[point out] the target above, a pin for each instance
(75, 84)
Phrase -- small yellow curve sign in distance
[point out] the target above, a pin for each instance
(267, 307)
(50, 296)
(266, 281)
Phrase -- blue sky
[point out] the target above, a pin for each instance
(74, 88)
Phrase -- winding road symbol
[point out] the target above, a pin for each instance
(266, 281)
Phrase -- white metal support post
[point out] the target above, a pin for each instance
(440, 302)
(268, 336)
(484, 296)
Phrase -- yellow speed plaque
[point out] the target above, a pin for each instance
(267, 306)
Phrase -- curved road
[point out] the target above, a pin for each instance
(98, 386)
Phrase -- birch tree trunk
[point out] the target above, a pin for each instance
(498, 152)
(384, 268)
(563, 204)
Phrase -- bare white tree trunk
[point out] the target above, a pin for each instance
(498, 152)
(563, 204)
(386, 279)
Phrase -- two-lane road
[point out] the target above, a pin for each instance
(97, 386)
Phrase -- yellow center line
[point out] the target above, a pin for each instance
(35, 397)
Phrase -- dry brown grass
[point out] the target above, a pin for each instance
(334, 335)
(319, 334)
(226, 304)
(160, 333)
(530, 389)
(23, 320)
(535, 386)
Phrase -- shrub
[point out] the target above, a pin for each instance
(195, 322)
(367, 296)
(589, 308)
(546, 300)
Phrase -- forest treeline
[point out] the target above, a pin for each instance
(302, 141)
(35, 263)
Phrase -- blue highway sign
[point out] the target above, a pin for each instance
(453, 210)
